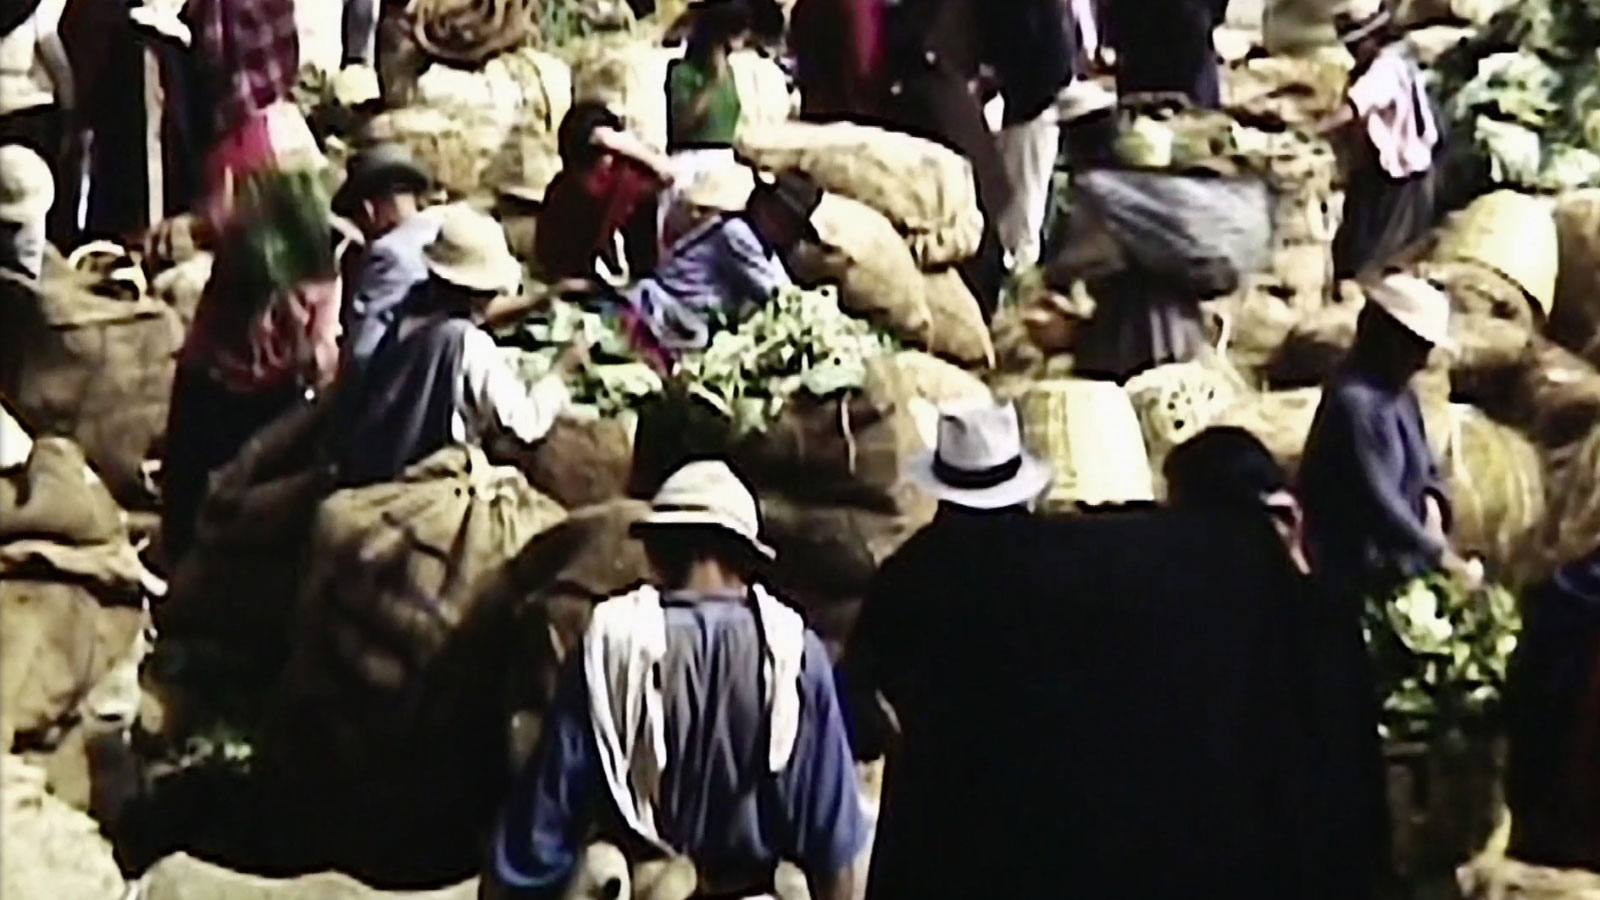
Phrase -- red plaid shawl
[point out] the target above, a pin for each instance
(253, 50)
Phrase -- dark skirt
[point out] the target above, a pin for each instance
(1382, 216)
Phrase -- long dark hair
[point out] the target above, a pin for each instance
(575, 136)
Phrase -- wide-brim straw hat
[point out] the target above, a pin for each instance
(1361, 21)
(706, 494)
(1417, 306)
(980, 462)
(27, 186)
(471, 252)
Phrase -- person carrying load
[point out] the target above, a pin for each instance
(697, 726)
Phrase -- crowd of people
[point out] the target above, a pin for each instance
(702, 719)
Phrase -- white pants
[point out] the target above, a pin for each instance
(1028, 152)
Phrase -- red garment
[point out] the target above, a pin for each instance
(583, 209)
(295, 337)
(253, 52)
(839, 49)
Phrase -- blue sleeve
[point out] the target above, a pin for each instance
(540, 838)
(747, 268)
(820, 793)
(1379, 462)
(383, 283)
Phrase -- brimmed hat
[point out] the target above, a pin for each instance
(796, 191)
(1357, 24)
(27, 186)
(980, 462)
(706, 494)
(471, 252)
(1417, 306)
(381, 167)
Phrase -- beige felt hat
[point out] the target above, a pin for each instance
(1418, 306)
(707, 494)
(471, 252)
(27, 187)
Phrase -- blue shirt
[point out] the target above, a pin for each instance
(393, 266)
(717, 805)
(1364, 479)
(710, 272)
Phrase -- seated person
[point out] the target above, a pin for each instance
(698, 722)
(606, 190)
(437, 378)
(720, 267)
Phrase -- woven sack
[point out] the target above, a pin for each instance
(1512, 233)
(1575, 320)
(471, 31)
(1497, 493)
(878, 280)
(1089, 433)
(959, 332)
(49, 851)
(925, 189)
(1178, 401)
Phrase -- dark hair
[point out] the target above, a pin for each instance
(717, 22)
(575, 136)
(673, 550)
(1224, 467)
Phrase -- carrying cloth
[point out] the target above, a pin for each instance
(97, 370)
(626, 643)
(1199, 235)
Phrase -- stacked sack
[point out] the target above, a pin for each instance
(884, 185)
(48, 850)
(389, 708)
(73, 615)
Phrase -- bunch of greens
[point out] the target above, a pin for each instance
(800, 341)
(1441, 653)
(1526, 92)
(611, 384)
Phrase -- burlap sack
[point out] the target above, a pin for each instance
(389, 708)
(182, 877)
(54, 497)
(579, 463)
(1575, 320)
(1556, 400)
(925, 189)
(180, 287)
(523, 88)
(456, 151)
(93, 369)
(1514, 234)
(238, 584)
(1501, 878)
(1178, 401)
(958, 332)
(878, 280)
(1279, 419)
(49, 851)
(471, 31)
(1497, 493)
(1089, 433)
(1292, 26)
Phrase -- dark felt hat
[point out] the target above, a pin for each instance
(797, 192)
(378, 169)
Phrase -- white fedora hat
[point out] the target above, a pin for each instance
(1418, 306)
(471, 252)
(980, 462)
(706, 494)
(27, 187)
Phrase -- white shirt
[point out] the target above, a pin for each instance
(494, 398)
(1393, 108)
(33, 63)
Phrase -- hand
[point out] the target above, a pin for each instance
(573, 358)
(1468, 572)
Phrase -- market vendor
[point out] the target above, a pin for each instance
(703, 105)
(382, 195)
(605, 195)
(1376, 504)
(699, 722)
(1391, 134)
(437, 378)
(723, 265)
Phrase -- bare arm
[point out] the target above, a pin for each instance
(624, 143)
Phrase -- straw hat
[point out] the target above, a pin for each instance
(1360, 20)
(706, 494)
(1418, 306)
(471, 252)
(980, 462)
(27, 187)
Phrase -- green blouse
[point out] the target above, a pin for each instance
(686, 84)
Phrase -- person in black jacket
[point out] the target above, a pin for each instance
(1164, 47)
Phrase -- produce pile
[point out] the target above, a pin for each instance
(1526, 92)
(800, 342)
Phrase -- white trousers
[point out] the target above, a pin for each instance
(1028, 152)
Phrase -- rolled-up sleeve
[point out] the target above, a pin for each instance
(540, 835)
(822, 797)
(498, 398)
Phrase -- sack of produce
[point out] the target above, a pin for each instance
(49, 851)
(1557, 399)
(1497, 493)
(1512, 233)
(1089, 433)
(389, 708)
(1575, 319)
(95, 369)
(878, 279)
(581, 462)
(631, 80)
(958, 333)
(471, 31)
(1279, 419)
(237, 586)
(932, 385)
(925, 189)
(1175, 402)
(455, 149)
(524, 88)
